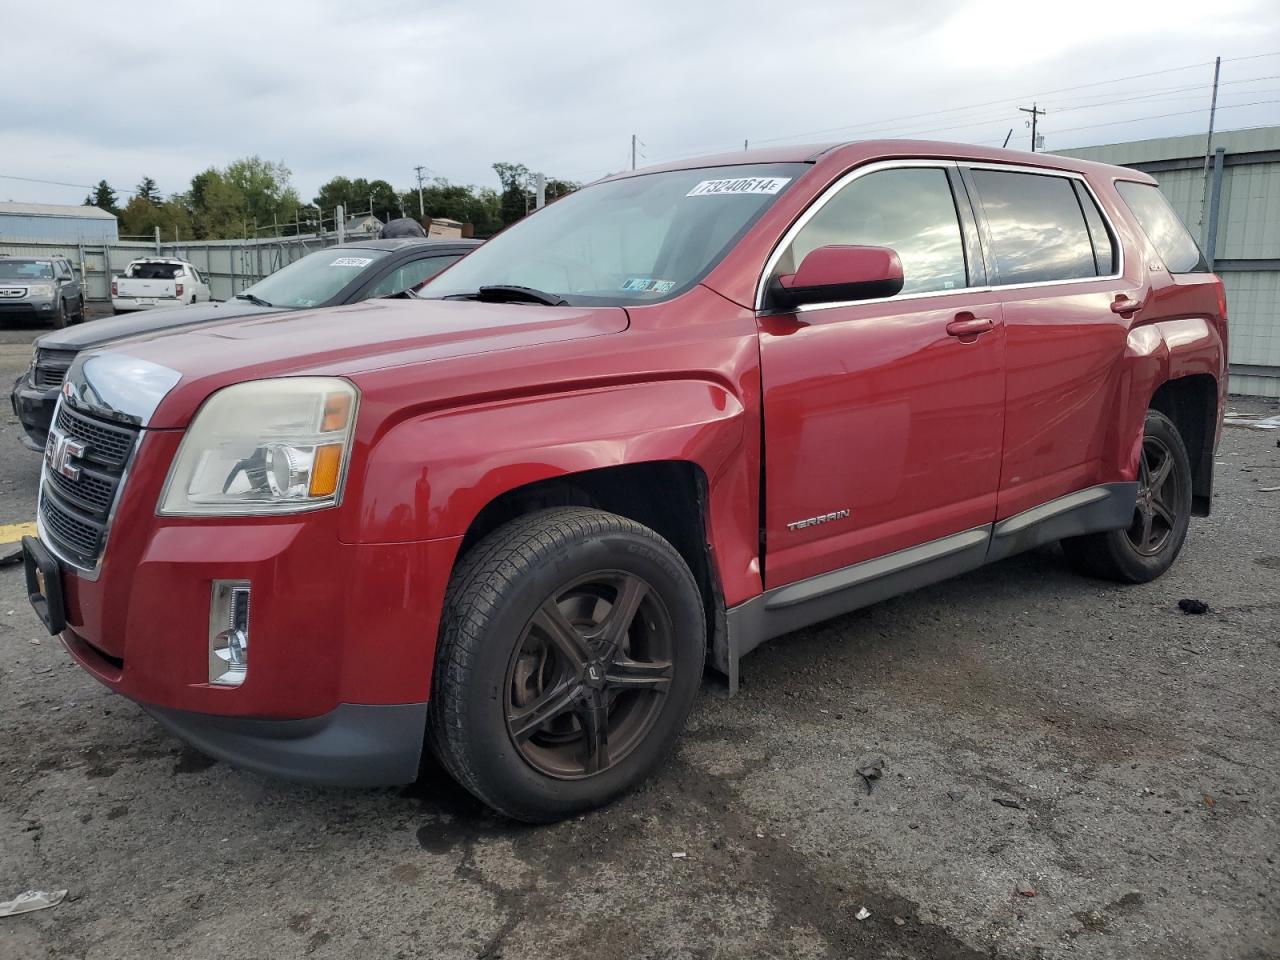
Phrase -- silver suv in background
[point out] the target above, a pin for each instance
(40, 288)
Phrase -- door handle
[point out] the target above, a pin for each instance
(1125, 305)
(968, 328)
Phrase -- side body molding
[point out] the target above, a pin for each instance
(796, 605)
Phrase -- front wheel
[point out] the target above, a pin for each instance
(1149, 545)
(570, 654)
(60, 315)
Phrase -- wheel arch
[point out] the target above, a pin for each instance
(669, 497)
(1191, 402)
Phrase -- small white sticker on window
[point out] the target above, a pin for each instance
(711, 188)
(352, 262)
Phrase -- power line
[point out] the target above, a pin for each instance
(56, 183)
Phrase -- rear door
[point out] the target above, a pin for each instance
(882, 430)
(1056, 269)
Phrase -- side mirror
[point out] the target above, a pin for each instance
(837, 273)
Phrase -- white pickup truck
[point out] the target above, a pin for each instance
(157, 282)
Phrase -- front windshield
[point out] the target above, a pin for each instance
(316, 278)
(635, 240)
(24, 270)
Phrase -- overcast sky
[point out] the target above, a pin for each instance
(122, 90)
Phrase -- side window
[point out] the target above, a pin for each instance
(1175, 245)
(410, 275)
(1038, 230)
(909, 209)
(1104, 245)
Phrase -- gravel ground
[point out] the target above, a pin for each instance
(1090, 741)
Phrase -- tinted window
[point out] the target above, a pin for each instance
(410, 275)
(1104, 249)
(1037, 228)
(1175, 245)
(909, 209)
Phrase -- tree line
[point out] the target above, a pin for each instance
(254, 197)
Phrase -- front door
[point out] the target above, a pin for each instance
(883, 430)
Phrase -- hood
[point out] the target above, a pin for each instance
(97, 332)
(347, 341)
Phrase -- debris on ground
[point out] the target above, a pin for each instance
(679, 855)
(1024, 889)
(9, 557)
(1006, 802)
(1260, 490)
(1208, 801)
(1188, 605)
(1253, 420)
(899, 921)
(955, 794)
(871, 772)
(862, 914)
(31, 900)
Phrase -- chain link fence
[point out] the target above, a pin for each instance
(229, 265)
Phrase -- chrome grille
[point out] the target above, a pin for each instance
(75, 512)
(51, 367)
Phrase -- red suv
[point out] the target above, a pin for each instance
(668, 417)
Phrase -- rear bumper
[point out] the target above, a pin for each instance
(354, 745)
(129, 304)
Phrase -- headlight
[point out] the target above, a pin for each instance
(267, 446)
(40, 290)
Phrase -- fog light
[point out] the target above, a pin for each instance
(229, 633)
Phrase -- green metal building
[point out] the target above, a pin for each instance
(1234, 211)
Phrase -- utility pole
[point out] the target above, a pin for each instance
(1208, 142)
(1035, 114)
(744, 144)
(421, 212)
(633, 151)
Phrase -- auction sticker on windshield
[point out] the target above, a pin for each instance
(711, 188)
(352, 262)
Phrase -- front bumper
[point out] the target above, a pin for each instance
(27, 309)
(34, 406)
(353, 745)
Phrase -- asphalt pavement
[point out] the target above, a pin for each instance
(1084, 742)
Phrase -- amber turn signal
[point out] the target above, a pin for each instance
(337, 410)
(325, 470)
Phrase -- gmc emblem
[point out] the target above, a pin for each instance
(60, 451)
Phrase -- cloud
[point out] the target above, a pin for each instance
(372, 89)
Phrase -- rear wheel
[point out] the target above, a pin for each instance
(1149, 545)
(570, 655)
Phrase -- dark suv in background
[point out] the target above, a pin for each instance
(44, 289)
(330, 277)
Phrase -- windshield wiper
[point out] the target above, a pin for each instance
(511, 293)
(256, 301)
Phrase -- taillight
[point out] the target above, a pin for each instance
(115, 291)
(1222, 298)
(177, 289)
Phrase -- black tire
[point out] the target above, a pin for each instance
(1149, 545)
(79, 317)
(497, 601)
(60, 317)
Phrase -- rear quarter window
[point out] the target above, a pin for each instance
(1174, 243)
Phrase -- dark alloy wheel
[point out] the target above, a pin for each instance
(1160, 496)
(589, 676)
(1161, 514)
(571, 650)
